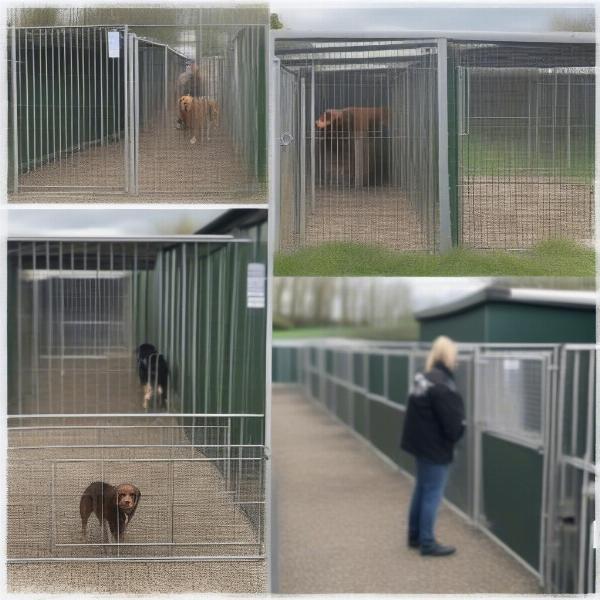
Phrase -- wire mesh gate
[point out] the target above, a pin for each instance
(523, 472)
(358, 136)
(571, 558)
(428, 142)
(78, 308)
(96, 111)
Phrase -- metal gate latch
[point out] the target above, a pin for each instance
(286, 139)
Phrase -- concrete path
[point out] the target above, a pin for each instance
(341, 519)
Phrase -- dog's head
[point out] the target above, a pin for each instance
(329, 118)
(128, 496)
(186, 103)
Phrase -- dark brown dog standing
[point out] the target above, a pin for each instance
(112, 505)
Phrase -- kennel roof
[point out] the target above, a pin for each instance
(513, 315)
(552, 50)
(107, 253)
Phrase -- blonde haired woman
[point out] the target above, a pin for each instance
(432, 426)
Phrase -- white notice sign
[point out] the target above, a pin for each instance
(114, 44)
(256, 285)
(511, 364)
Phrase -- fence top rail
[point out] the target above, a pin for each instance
(200, 238)
(381, 346)
(558, 37)
(134, 415)
(143, 25)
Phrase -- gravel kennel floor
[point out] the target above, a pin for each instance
(376, 216)
(182, 501)
(494, 215)
(341, 519)
(171, 169)
(516, 215)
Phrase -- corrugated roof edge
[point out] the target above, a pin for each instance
(562, 37)
(566, 298)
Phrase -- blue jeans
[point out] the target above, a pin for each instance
(429, 489)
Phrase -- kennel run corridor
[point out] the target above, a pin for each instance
(522, 476)
(95, 114)
(78, 309)
(341, 522)
(418, 142)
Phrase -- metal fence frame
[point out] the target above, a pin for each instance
(180, 266)
(226, 455)
(448, 217)
(248, 129)
(294, 363)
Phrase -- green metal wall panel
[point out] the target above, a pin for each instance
(342, 404)
(361, 414)
(385, 425)
(375, 374)
(398, 378)
(466, 326)
(512, 495)
(358, 369)
(535, 323)
(329, 362)
(511, 322)
(285, 365)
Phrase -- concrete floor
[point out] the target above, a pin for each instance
(341, 519)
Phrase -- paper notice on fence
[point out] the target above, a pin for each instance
(256, 285)
(114, 44)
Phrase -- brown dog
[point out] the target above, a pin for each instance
(354, 145)
(112, 505)
(198, 114)
(353, 119)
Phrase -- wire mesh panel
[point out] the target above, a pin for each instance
(213, 146)
(68, 108)
(523, 119)
(79, 310)
(200, 490)
(524, 470)
(165, 110)
(571, 554)
(512, 394)
(362, 115)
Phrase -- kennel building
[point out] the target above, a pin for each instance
(424, 141)
(77, 310)
(94, 113)
(524, 471)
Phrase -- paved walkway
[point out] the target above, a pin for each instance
(340, 519)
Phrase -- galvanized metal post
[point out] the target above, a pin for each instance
(126, 94)
(15, 120)
(312, 138)
(445, 243)
(302, 207)
(275, 150)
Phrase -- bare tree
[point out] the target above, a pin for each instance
(567, 22)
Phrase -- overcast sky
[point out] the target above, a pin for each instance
(373, 16)
(107, 222)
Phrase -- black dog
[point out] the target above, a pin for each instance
(153, 372)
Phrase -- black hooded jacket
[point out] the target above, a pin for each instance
(434, 416)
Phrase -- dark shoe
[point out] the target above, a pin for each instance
(437, 550)
(413, 543)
